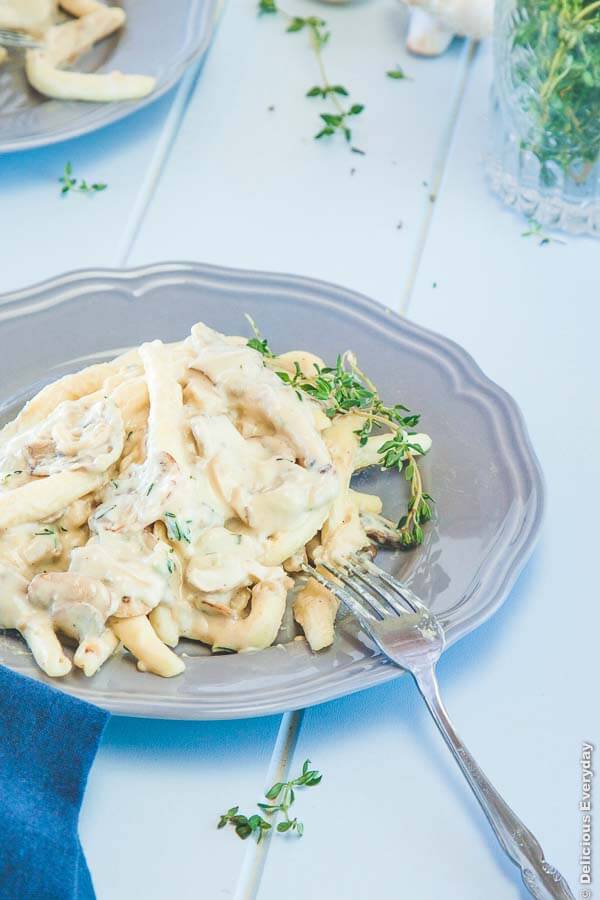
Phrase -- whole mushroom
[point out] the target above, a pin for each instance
(433, 23)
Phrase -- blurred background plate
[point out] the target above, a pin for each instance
(482, 470)
(159, 39)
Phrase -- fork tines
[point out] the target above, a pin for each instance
(365, 589)
(16, 40)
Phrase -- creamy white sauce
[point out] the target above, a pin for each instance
(197, 501)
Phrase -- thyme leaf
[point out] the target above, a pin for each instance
(337, 121)
(176, 530)
(283, 792)
(343, 390)
(535, 230)
(398, 74)
(78, 186)
(555, 67)
(243, 825)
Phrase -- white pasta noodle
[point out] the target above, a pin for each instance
(167, 495)
(62, 44)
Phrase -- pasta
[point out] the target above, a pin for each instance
(63, 43)
(172, 493)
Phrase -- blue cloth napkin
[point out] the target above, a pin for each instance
(48, 741)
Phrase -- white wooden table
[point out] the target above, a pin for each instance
(211, 173)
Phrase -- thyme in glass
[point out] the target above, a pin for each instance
(78, 186)
(344, 389)
(339, 120)
(282, 796)
(556, 57)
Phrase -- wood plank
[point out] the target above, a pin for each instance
(154, 798)
(51, 234)
(393, 816)
(248, 186)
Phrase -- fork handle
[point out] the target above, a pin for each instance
(540, 878)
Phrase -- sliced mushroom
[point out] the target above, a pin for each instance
(381, 530)
(254, 632)
(76, 435)
(82, 602)
(79, 607)
(238, 372)
(35, 625)
(138, 497)
(134, 569)
(259, 478)
(224, 561)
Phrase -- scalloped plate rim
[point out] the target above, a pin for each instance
(95, 116)
(467, 375)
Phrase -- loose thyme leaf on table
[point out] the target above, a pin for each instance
(283, 795)
(344, 389)
(338, 121)
(535, 230)
(78, 186)
(398, 74)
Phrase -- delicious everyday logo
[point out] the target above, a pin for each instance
(585, 808)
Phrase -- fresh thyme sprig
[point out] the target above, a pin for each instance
(283, 795)
(535, 230)
(338, 121)
(261, 346)
(244, 825)
(78, 186)
(344, 389)
(283, 792)
(555, 58)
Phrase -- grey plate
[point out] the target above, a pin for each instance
(482, 469)
(160, 38)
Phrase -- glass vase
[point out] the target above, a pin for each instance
(545, 119)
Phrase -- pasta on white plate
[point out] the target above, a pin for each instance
(63, 41)
(172, 492)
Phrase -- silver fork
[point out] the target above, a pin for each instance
(412, 637)
(16, 40)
